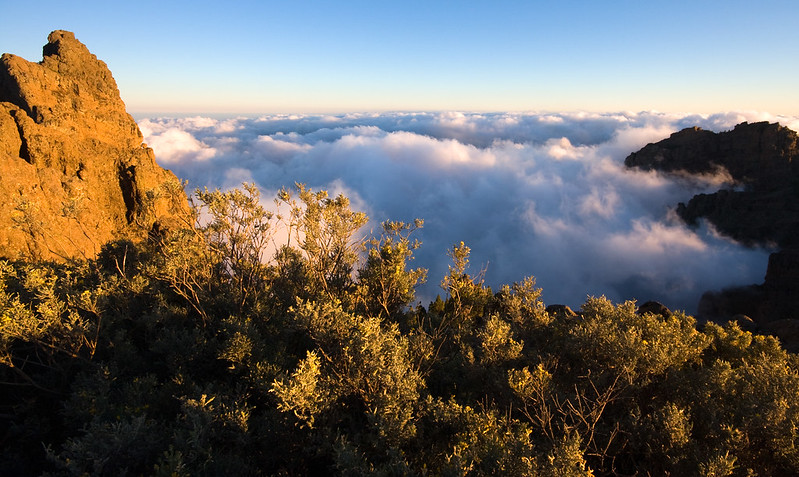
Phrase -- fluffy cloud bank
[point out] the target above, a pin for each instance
(531, 194)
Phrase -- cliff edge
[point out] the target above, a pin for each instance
(762, 158)
(74, 172)
(761, 209)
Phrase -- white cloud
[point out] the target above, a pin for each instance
(176, 146)
(655, 239)
(600, 202)
(532, 194)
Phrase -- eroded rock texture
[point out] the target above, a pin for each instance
(74, 173)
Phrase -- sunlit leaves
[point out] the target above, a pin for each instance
(252, 337)
(302, 393)
(325, 230)
(618, 340)
(364, 359)
(386, 286)
(497, 343)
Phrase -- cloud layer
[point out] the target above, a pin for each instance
(545, 195)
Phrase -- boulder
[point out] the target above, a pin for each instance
(654, 308)
(560, 311)
(74, 172)
(744, 322)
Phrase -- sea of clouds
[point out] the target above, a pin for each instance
(543, 195)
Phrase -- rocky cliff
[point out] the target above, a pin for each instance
(74, 172)
(763, 160)
(762, 208)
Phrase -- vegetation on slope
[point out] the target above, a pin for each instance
(256, 343)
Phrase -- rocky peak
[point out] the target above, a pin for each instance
(763, 158)
(74, 172)
(70, 89)
(752, 153)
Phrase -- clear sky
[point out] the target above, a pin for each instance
(340, 56)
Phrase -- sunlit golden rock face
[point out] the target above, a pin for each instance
(74, 172)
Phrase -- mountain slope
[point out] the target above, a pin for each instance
(74, 172)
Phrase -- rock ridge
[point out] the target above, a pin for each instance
(759, 208)
(750, 152)
(763, 161)
(74, 172)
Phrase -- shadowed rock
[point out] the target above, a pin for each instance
(74, 172)
(762, 160)
(751, 153)
(744, 322)
(560, 311)
(787, 331)
(759, 208)
(654, 308)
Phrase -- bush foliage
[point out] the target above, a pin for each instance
(290, 343)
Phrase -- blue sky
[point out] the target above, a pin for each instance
(267, 57)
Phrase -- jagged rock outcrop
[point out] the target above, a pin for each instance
(751, 153)
(74, 172)
(761, 158)
(761, 209)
